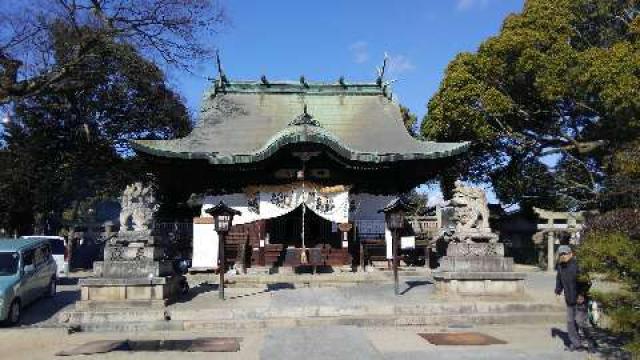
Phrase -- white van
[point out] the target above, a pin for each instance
(58, 250)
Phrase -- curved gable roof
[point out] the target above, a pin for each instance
(247, 121)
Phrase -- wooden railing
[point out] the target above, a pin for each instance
(174, 227)
(422, 226)
(425, 226)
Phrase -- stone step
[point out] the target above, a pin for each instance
(94, 305)
(468, 320)
(296, 280)
(263, 313)
(264, 317)
(76, 317)
(133, 326)
(378, 321)
(304, 284)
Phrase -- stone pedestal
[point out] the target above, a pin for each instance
(477, 269)
(132, 275)
(125, 293)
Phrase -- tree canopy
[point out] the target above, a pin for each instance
(67, 148)
(79, 78)
(547, 103)
(167, 32)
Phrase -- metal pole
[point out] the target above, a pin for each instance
(221, 265)
(394, 250)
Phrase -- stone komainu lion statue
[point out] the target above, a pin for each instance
(471, 210)
(469, 213)
(138, 207)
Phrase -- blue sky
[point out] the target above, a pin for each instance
(324, 40)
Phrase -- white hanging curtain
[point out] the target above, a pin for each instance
(330, 203)
(267, 202)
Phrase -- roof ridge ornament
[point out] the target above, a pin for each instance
(305, 119)
(222, 78)
(303, 82)
(381, 69)
(264, 81)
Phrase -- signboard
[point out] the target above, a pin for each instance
(408, 242)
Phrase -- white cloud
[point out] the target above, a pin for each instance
(359, 51)
(398, 64)
(464, 5)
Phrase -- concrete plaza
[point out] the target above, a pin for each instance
(283, 321)
(331, 342)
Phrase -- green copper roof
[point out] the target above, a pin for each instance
(243, 122)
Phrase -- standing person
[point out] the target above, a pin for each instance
(575, 293)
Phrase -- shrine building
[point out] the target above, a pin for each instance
(307, 164)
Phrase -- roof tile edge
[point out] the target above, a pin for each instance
(292, 87)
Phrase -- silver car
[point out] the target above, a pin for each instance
(27, 272)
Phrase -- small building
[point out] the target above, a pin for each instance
(516, 230)
(300, 161)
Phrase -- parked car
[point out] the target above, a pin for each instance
(58, 250)
(27, 272)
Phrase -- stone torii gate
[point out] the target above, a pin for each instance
(554, 223)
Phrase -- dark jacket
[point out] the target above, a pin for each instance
(568, 280)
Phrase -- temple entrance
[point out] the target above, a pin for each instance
(287, 230)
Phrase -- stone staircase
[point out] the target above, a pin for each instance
(428, 314)
(293, 300)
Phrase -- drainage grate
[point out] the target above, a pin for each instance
(461, 338)
(220, 344)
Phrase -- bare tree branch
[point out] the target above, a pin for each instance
(168, 31)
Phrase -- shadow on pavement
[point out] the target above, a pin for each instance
(413, 284)
(563, 335)
(196, 291)
(68, 281)
(270, 288)
(280, 286)
(207, 288)
(607, 344)
(45, 309)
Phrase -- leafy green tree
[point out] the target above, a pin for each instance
(612, 247)
(612, 242)
(67, 148)
(551, 95)
(552, 107)
(409, 119)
